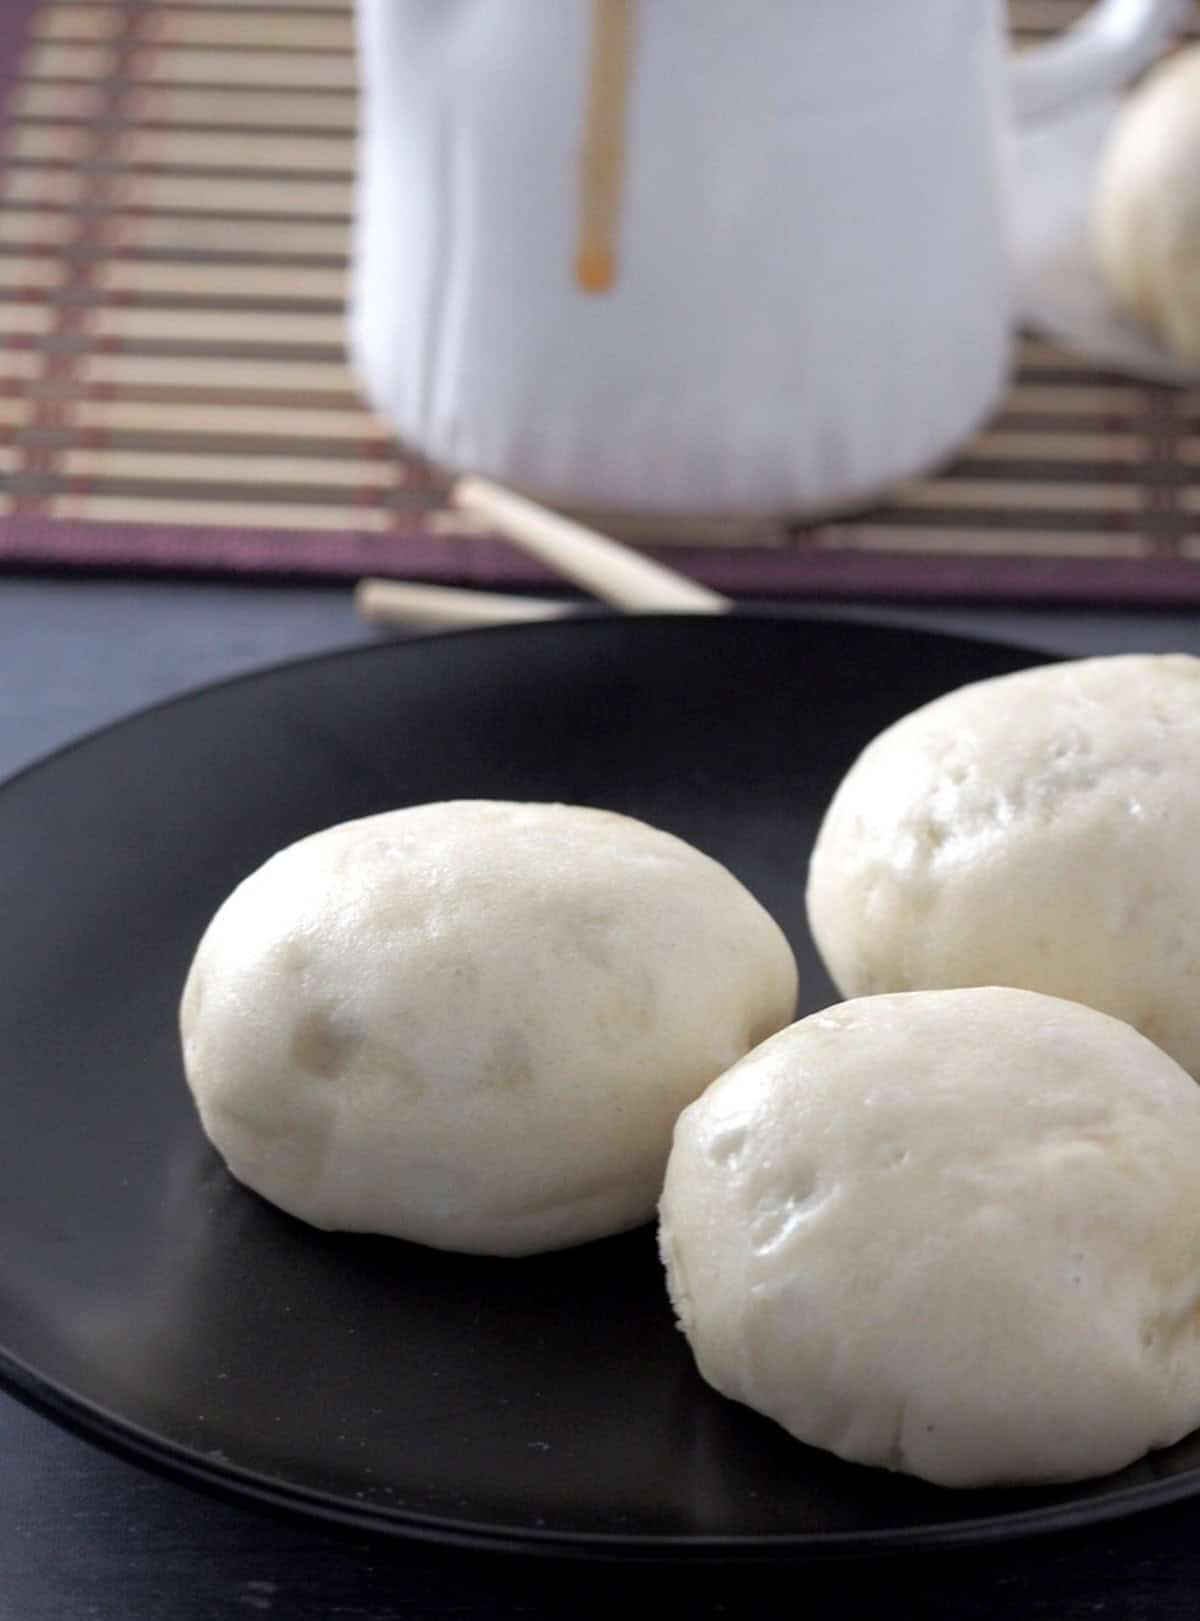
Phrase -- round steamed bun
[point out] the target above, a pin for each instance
(1147, 203)
(473, 1024)
(955, 1233)
(1035, 830)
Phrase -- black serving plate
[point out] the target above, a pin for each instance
(537, 1405)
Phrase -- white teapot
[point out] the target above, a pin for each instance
(698, 256)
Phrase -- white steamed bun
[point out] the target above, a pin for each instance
(1037, 830)
(1147, 204)
(955, 1233)
(473, 1024)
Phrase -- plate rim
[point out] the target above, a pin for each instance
(549, 629)
(92, 1423)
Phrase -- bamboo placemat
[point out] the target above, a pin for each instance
(175, 193)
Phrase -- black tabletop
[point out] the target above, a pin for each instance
(85, 1535)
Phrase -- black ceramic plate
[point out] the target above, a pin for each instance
(546, 1404)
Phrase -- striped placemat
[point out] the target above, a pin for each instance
(175, 194)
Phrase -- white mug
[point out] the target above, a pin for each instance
(698, 256)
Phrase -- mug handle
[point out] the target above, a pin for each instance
(1101, 52)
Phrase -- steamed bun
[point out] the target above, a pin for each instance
(473, 1024)
(1147, 204)
(1037, 830)
(955, 1233)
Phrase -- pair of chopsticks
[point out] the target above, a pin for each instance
(613, 573)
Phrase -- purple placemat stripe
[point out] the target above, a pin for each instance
(485, 561)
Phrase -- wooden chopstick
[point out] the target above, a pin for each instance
(614, 573)
(443, 607)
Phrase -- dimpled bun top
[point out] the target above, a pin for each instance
(955, 1233)
(473, 1024)
(1037, 830)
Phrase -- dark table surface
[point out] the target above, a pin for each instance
(86, 1535)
